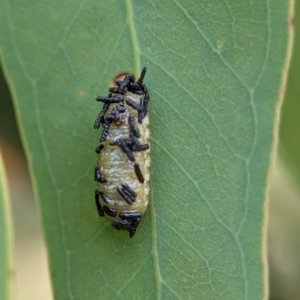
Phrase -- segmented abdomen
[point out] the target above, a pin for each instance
(118, 169)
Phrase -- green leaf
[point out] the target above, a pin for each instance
(214, 75)
(6, 272)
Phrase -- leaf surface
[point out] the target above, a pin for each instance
(214, 76)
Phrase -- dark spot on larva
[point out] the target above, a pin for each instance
(129, 215)
(117, 115)
(98, 176)
(141, 108)
(98, 205)
(130, 144)
(127, 193)
(109, 211)
(136, 145)
(129, 225)
(138, 173)
(109, 99)
(105, 132)
(133, 128)
(100, 117)
(99, 148)
(125, 146)
(104, 197)
(122, 224)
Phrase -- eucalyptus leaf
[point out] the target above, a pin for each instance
(214, 76)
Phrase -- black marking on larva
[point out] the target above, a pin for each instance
(129, 215)
(116, 115)
(122, 224)
(124, 83)
(125, 146)
(129, 225)
(104, 197)
(142, 76)
(138, 87)
(98, 205)
(138, 173)
(110, 100)
(133, 128)
(140, 108)
(114, 90)
(105, 132)
(135, 89)
(127, 193)
(100, 118)
(134, 226)
(136, 145)
(99, 148)
(146, 93)
(98, 176)
(109, 211)
(128, 82)
(137, 92)
(129, 145)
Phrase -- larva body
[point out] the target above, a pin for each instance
(123, 171)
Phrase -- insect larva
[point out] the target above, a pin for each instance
(123, 170)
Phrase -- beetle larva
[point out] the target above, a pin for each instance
(123, 171)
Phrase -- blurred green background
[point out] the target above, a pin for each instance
(30, 252)
(284, 206)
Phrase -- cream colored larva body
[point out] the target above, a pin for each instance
(123, 170)
(117, 168)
